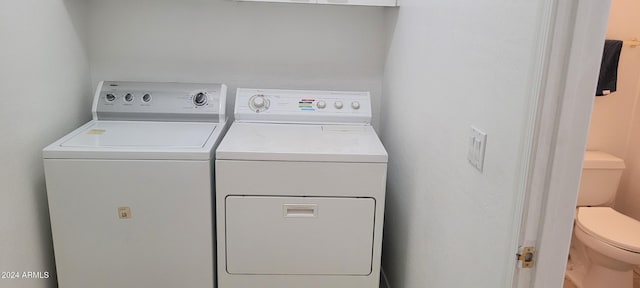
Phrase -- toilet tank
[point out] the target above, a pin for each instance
(601, 173)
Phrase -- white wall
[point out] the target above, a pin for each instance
(44, 87)
(453, 64)
(615, 124)
(244, 44)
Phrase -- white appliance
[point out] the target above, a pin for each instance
(130, 192)
(606, 246)
(300, 191)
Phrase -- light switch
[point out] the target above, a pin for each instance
(477, 143)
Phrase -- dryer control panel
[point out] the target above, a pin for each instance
(302, 106)
(120, 100)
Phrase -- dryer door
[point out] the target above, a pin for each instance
(299, 235)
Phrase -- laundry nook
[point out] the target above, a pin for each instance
(319, 144)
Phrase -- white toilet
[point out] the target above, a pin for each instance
(606, 243)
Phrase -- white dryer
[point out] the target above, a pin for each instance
(130, 192)
(300, 191)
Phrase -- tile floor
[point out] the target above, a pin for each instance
(636, 282)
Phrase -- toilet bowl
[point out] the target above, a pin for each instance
(606, 243)
(612, 242)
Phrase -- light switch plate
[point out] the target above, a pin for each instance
(477, 145)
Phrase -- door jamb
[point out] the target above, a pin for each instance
(561, 128)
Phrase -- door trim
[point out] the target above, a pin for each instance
(561, 126)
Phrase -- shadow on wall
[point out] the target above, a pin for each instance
(76, 11)
(395, 199)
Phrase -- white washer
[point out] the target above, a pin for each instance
(300, 191)
(130, 192)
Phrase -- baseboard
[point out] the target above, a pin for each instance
(385, 280)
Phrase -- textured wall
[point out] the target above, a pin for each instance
(44, 87)
(243, 44)
(615, 124)
(453, 64)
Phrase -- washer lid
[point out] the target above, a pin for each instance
(301, 142)
(611, 227)
(138, 140)
(137, 134)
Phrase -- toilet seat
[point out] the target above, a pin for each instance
(610, 226)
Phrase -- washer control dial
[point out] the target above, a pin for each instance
(128, 97)
(321, 104)
(110, 97)
(146, 97)
(200, 99)
(355, 105)
(258, 103)
(338, 104)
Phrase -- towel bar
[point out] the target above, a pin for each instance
(632, 43)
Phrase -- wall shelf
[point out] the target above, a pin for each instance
(385, 3)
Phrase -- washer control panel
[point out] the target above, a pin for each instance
(119, 100)
(302, 106)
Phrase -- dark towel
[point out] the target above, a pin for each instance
(607, 83)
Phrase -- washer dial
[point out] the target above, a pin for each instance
(110, 97)
(128, 97)
(258, 103)
(200, 98)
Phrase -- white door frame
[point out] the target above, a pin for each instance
(572, 61)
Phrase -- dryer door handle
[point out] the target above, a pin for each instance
(300, 210)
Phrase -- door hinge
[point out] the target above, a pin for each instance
(526, 256)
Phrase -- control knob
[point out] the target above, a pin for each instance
(146, 97)
(258, 103)
(128, 97)
(200, 99)
(321, 104)
(110, 97)
(338, 104)
(355, 105)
